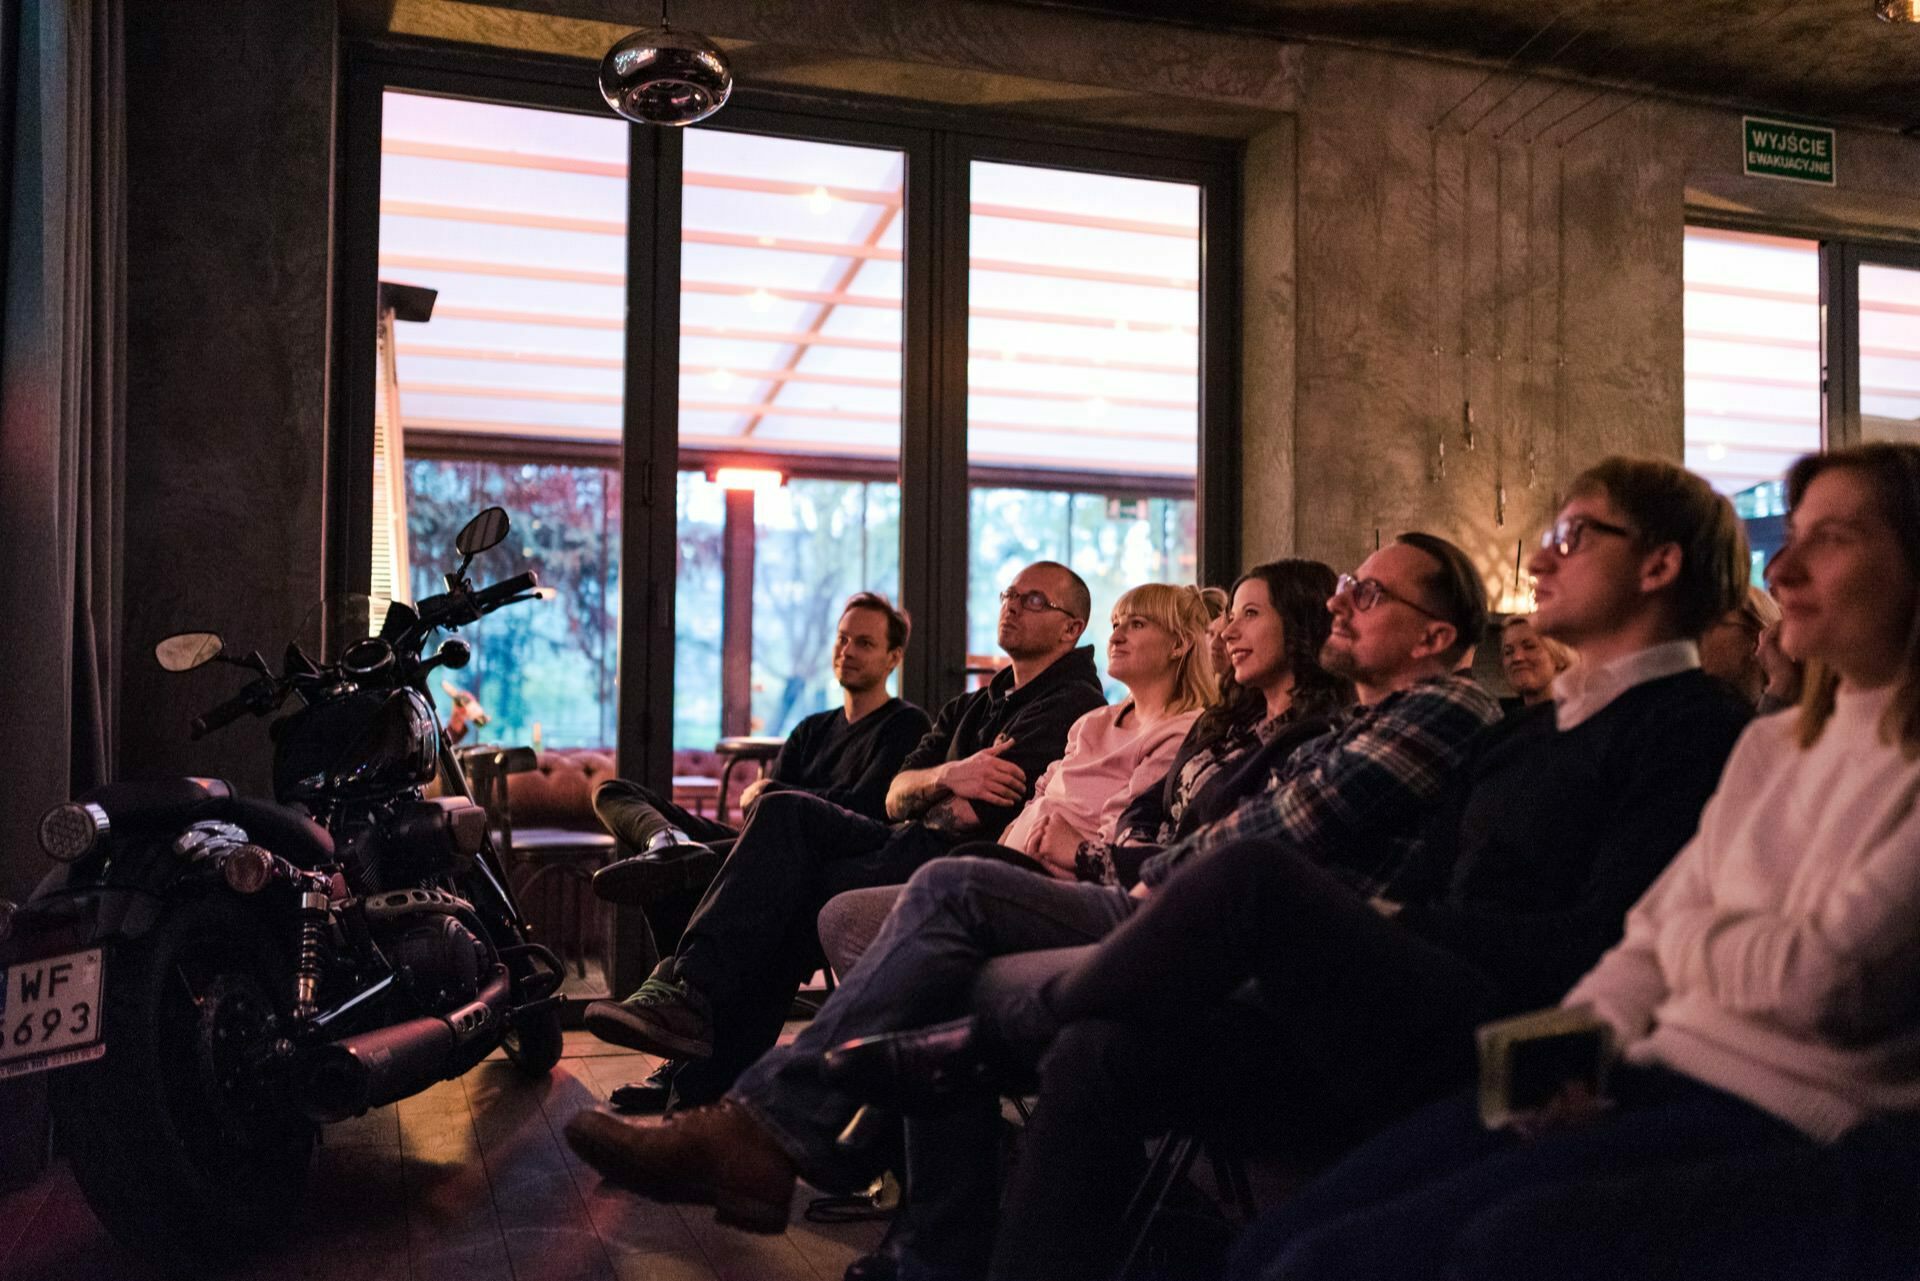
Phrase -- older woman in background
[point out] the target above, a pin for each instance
(1530, 661)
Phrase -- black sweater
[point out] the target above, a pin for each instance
(1035, 716)
(1547, 838)
(851, 765)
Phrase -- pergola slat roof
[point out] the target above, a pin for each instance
(791, 299)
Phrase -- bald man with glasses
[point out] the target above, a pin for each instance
(719, 1001)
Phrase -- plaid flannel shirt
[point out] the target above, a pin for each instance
(1354, 800)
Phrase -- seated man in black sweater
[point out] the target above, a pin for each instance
(847, 755)
(1560, 821)
(721, 998)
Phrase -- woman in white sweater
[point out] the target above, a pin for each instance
(1765, 1000)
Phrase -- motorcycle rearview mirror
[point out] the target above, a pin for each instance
(188, 650)
(482, 532)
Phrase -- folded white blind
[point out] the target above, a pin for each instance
(389, 578)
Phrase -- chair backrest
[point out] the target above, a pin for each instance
(558, 790)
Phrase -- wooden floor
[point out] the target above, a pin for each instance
(469, 1181)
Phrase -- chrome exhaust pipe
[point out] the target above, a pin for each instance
(348, 1077)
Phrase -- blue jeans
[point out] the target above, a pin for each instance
(1442, 1196)
(954, 916)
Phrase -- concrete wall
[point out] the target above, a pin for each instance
(1432, 273)
(230, 159)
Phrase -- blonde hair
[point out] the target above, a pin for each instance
(1558, 654)
(1758, 611)
(1182, 613)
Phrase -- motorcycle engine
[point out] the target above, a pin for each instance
(412, 841)
(439, 962)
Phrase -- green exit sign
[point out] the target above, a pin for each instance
(1783, 149)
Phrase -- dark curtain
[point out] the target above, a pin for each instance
(62, 437)
(62, 409)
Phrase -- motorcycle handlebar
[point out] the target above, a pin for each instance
(498, 594)
(457, 610)
(225, 714)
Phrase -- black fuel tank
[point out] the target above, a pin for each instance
(356, 746)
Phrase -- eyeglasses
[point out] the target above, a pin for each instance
(1033, 602)
(1368, 592)
(1566, 536)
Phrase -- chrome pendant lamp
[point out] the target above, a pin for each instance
(659, 76)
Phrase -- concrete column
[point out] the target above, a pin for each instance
(230, 120)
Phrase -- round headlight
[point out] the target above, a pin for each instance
(71, 831)
(248, 869)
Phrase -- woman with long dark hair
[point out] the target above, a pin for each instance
(1274, 697)
(1763, 1004)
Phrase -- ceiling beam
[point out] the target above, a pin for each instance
(560, 396)
(573, 361)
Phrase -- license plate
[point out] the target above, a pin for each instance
(50, 1013)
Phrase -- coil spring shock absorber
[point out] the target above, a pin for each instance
(306, 975)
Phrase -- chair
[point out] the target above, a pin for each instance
(551, 843)
(1173, 1156)
(755, 749)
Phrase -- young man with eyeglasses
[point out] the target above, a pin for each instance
(1561, 819)
(719, 1001)
(1355, 796)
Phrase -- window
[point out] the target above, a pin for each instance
(543, 672)
(846, 337)
(517, 218)
(1761, 313)
(1889, 299)
(1753, 377)
(1082, 384)
(788, 492)
(815, 543)
(1112, 542)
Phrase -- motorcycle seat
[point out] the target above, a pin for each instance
(159, 802)
(155, 805)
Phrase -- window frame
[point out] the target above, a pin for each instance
(1841, 256)
(939, 144)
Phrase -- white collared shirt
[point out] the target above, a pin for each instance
(1582, 691)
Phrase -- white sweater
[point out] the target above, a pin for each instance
(1778, 958)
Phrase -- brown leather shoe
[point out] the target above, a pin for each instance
(717, 1155)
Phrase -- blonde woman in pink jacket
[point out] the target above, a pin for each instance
(1764, 1004)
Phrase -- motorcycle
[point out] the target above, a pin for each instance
(216, 977)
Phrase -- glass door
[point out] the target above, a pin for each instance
(512, 392)
(790, 405)
(1083, 385)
